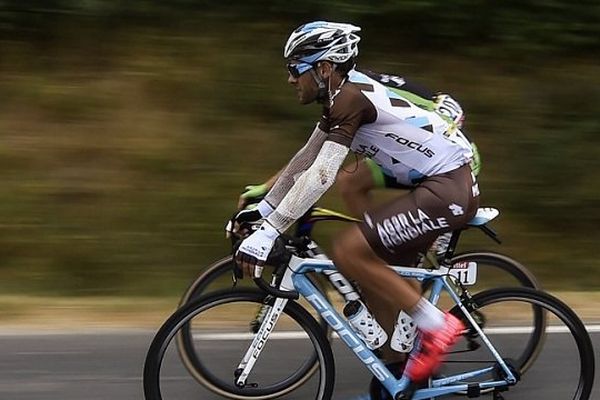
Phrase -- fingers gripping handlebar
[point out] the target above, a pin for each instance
(279, 257)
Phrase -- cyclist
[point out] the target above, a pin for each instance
(362, 115)
(356, 183)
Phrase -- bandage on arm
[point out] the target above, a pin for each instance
(303, 159)
(310, 186)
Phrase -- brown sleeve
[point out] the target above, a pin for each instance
(350, 110)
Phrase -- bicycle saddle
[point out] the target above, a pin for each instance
(483, 216)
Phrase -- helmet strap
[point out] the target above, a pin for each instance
(323, 92)
(329, 91)
(332, 92)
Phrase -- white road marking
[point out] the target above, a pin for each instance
(509, 330)
(54, 353)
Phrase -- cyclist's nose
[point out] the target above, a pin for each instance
(291, 80)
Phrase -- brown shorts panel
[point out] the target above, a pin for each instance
(399, 230)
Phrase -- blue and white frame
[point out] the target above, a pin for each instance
(295, 279)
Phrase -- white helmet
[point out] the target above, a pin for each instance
(323, 41)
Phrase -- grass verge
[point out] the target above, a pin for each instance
(91, 313)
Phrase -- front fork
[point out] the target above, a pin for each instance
(258, 343)
(342, 285)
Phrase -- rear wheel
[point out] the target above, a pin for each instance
(496, 270)
(216, 276)
(507, 316)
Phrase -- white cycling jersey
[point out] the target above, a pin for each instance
(407, 141)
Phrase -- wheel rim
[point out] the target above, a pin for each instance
(202, 373)
(560, 314)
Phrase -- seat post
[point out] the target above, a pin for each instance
(452, 246)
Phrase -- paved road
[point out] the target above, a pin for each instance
(108, 365)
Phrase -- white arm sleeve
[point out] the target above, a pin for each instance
(297, 165)
(310, 186)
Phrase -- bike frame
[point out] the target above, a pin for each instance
(294, 279)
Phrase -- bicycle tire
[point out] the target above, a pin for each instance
(185, 347)
(503, 262)
(181, 317)
(539, 299)
(518, 273)
(218, 270)
(521, 275)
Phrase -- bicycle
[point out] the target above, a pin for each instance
(290, 280)
(495, 268)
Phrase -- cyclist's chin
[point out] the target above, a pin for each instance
(306, 98)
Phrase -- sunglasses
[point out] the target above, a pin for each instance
(298, 68)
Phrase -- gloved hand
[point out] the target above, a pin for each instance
(254, 250)
(245, 218)
(250, 193)
(446, 105)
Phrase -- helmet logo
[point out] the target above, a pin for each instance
(335, 58)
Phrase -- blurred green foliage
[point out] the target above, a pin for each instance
(128, 128)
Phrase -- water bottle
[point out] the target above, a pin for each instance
(363, 323)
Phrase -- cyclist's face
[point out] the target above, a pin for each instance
(302, 80)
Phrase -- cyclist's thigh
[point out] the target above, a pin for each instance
(412, 222)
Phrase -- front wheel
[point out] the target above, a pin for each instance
(218, 330)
